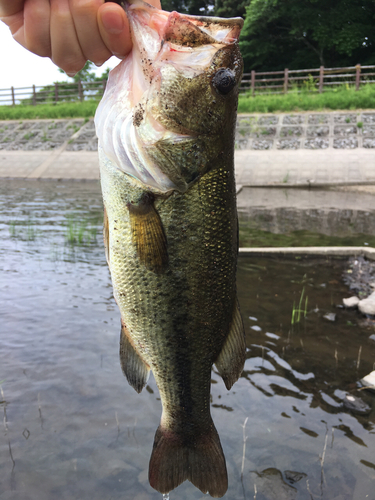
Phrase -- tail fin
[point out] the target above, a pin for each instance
(201, 461)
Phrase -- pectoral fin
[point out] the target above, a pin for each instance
(133, 366)
(148, 234)
(231, 359)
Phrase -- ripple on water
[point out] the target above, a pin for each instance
(75, 428)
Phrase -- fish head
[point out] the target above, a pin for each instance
(169, 109)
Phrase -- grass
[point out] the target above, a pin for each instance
(80, 232)
(300, 311)
(346, 98)
(22, 230)
(84, 109)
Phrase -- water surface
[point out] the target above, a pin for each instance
(74, 429)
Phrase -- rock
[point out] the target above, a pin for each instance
(330, 316)
(356, 405)
(351, 302)
(271, 485)
(367, 306)
(293, 476)
(369, 381)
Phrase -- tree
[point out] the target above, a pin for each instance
(193, 7)
(86, 74)
(230, 8)
(176, 5)
(67, 91)
(308, 33)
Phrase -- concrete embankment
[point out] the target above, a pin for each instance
(301, 149)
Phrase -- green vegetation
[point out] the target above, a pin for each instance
(81, 232)
(22, 230)
(60, 110)
(295, 34)
(341, 98)
(77, 231)
(298, 34)
(298, 312)
(69, 91)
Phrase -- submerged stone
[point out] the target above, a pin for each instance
(351, 302)
(356, 405)
(330, 316)
(367, 306)
(369, 381)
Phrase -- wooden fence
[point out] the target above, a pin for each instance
(311, 80)
(49, 94)
(256, 82)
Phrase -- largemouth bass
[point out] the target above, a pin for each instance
(166, 146)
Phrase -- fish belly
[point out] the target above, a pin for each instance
(178, 320)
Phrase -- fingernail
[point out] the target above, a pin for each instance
(113, 25)
(71, 74)
(99, 63)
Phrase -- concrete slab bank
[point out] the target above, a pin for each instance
(272, 150)
(309, 252)
(253, 168)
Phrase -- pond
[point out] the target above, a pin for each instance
(74, 429)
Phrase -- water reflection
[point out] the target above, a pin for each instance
(73, 428)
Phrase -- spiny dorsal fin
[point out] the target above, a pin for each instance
(147, 233)
(133, 366)
(231, 359)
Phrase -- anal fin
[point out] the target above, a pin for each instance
(134, 368)
(148, 234)
(231, 359)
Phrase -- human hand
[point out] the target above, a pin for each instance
(70, 32)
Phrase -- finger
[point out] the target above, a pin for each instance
(36, 27)
(30, 26)
(114, 29)
(65, 48)
(15, 24)
(84, 14)
(10, 7)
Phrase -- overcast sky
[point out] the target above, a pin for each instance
(21, 68)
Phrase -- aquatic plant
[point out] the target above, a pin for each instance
(81, 232)
(300, 311)
(23, 230)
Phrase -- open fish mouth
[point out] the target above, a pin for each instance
(149, 100)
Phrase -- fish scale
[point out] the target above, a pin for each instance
(170, 228)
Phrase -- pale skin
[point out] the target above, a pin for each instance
(70, 32)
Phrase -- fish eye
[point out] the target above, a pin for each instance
(224, 80)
